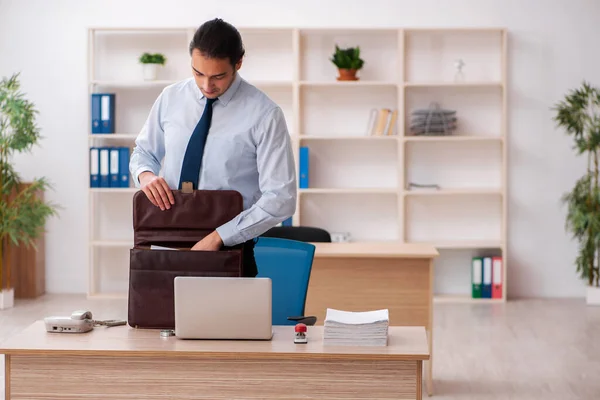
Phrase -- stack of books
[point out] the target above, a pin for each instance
(382, 122)
(347, 328)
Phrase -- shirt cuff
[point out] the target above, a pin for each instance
(137, 173)
(229, 234)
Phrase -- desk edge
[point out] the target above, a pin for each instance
(215, 354)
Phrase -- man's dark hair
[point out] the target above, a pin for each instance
(218, 39)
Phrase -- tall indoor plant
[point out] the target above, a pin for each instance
(579, 114)
(23, 213)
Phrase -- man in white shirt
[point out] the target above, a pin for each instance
(239, 133)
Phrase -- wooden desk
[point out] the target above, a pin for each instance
(370, 276)
(121, 363)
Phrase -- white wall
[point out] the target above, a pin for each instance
(551, 49)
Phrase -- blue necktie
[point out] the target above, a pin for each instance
(190, 169)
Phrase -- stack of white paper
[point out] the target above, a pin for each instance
(347, 328)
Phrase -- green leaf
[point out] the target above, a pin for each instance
(148, 58)
(347, 58)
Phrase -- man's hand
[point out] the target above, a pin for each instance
(157, 190)
(211, 242)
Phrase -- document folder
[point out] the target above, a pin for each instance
(476, 277)
(152, 272)
(497, 277)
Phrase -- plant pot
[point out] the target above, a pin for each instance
(347, 74)
(593, 296)
(7, 298)
(150, 71)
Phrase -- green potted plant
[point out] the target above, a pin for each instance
(151, 62)
(23, 213)
(579, 115)
(348, 62)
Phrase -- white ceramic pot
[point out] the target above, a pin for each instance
(150, 71)
(593, 296)
(7, 298)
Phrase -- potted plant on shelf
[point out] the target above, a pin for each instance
(23, 213)
(151, 62)
(579, 114)
(348, 62)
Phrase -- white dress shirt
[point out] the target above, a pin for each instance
(248, 149)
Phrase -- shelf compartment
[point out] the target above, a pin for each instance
(113, 136)
(459, 218)
(368, 217)
(378, 48)
(431, 55)
(132, 107)
(352, 164)
(308, 138)
(112, 243)
(360, 83)
(268, 47)
(266, 84)
(461, 165)
(452, 272)
(462, 299)
(467, 244)
(120, 190)
(433, 85)
(112, 217)
(136, 83)
(454, 138)
(452, 192)
(343, 109)
(108, 296)
(478, 109)
(368, 190)
(116, 55)
(111, 271)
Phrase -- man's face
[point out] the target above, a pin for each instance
(213, 75)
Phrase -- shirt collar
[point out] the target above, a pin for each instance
(228, 95)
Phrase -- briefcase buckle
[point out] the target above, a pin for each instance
(187, 187)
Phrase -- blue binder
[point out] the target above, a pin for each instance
(103, 113)
(114, 175)
(96, 111)
(486, 287)
(104, 167)
(303, 168)
(94, 167)
(124, 166)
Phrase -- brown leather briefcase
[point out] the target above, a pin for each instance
(152, 272)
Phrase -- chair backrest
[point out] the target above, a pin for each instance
(288, 263)
(300, 233)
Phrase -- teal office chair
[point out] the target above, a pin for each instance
(288, 263)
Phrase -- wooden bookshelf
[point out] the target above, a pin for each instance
(358, 182)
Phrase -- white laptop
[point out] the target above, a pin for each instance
(223, 308)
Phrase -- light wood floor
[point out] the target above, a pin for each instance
(525, 349)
